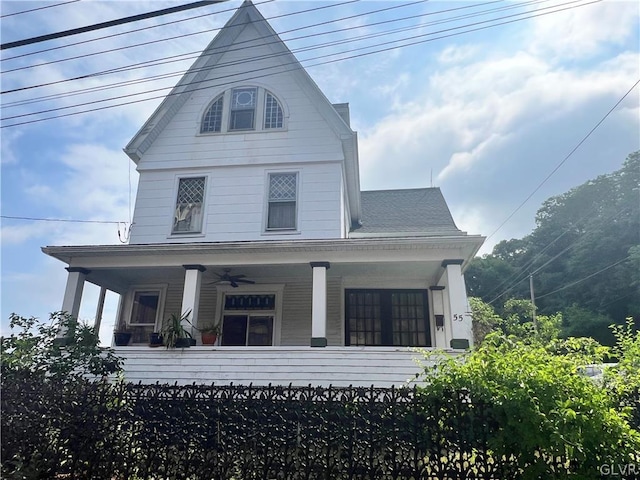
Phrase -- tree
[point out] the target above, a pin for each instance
(584, 255)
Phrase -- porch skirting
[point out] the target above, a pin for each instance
(299, 366)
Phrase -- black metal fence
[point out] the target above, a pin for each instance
(126, 431)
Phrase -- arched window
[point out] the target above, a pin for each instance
(272, 112)
(212, 120)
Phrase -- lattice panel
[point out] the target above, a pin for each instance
(282, 187)
(191, 191)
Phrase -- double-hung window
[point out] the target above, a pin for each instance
(145, 307)
(248, 320)
(243, 108)
(189, 205)
(282, 202)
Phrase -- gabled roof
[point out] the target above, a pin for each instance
(418, 211)
(196, 78)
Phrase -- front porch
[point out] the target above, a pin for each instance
(298, 366)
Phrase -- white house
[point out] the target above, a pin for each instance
(249, 215)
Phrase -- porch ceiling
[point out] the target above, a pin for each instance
(119, 279)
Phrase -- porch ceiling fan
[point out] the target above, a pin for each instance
(232, 280)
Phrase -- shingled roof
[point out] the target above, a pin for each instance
(408, 211)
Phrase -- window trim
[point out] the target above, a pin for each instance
(176, 189)
(266, 229)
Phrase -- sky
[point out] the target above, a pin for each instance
(474, 98)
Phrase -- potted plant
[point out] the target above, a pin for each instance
(155, 339)
(121, 336)
(210, 334)
(174, 334)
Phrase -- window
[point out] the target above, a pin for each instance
(243, 108)
(143, 311)
(248, 320)
(212, 120)
(145, 307)
(188, 213)
(283, 191)
(272, 113)
(387, 317)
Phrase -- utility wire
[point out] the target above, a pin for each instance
(149, 27)
(238, 47)
(523, 272)
(38, 219)
(412, 43)
(111, 23)
(36, 9)
(569, 285)
(166, 39)
(584, 139)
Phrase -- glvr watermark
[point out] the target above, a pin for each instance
(621, 470)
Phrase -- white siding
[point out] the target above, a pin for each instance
(338, 366)
(235, 204)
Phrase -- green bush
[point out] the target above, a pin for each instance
(543, 407)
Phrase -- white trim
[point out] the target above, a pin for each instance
(265, 289)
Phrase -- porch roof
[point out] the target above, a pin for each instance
(462, 247)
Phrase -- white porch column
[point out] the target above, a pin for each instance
(437, 304)
(319, 304)
(461, 321)
(191, 294)
(73, 291)
(99, 310)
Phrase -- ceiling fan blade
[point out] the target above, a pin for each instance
(239, 280)
(233, 284)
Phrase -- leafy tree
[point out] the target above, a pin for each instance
(584, 255)
(36, 350)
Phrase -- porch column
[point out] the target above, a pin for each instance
(461, 321)
(100, 309)
(319, 304)
(73, 291)
(191, 294)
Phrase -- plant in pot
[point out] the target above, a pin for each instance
(210, 334)
(155, 339)
(173, 332)
(121, 336)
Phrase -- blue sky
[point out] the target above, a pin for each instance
(485, 115)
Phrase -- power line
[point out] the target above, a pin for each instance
(166, 39)
(149, 27)
(38, 219)
(569, 285)
(238, 46)
(412, 43)
(39, 8)
(111, 23)
(584, 139)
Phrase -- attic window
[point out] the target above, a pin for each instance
(243, 108)
(272, 113)
(212, 120)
